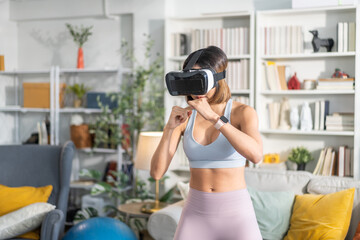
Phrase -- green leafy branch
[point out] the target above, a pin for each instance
(80, 34)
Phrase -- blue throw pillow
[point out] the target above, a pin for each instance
(273, 212)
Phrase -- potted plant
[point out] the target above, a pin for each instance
(79, 90)
(140, 103)
(80, 36)
(300, 156)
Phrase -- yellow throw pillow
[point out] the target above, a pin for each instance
(321, 216)
(14, 198)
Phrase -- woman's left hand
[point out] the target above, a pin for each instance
(202, 106)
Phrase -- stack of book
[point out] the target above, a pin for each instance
(283, 40)
(332, 164)
(276, 75)
(237, 74)
(336, 84)
(340, 122)
(179, 44)
(346, 36)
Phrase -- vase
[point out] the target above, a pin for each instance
(294, 118)
(77, 103)
(301, 166)
(80, 59)
(305, 118)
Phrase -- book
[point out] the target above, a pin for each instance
(324, 111)
(274, 112)
(345, 37)
(351, 38)
(282, 77)
(347, 162)
(326, 171)
(317, 116)
(340, 37)
(320, 162)
(341, 161)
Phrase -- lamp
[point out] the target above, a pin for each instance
(147, 144)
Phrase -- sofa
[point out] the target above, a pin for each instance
(162, 224)
(36, 165)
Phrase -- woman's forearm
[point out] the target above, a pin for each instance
(243, 143)
(163, 153)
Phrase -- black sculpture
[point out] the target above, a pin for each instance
(318, 42)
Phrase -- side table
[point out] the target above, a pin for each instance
(133, 210)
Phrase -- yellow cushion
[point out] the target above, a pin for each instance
(321, 216)
(14, 198)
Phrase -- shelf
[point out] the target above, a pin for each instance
(308, 10)
(23, 110)
(308, 55)
(80, 110)
(213, 15)
(299, 132)
(241, 91)
(23, 72)
(307, 92)
(75, 70)
(234, 57)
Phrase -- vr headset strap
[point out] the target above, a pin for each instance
(193, 60)
(219, 76)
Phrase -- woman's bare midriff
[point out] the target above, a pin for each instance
(217, 179)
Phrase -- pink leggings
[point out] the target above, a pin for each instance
(218, 216)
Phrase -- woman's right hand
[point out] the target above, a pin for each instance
(178, 116)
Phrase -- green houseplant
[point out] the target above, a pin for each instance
(139, 104)
(80, 36)
(300, 156)
(79, 90)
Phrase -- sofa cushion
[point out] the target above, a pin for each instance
(24, 220)
(273, 212)
(267, 180)
(325, 185)
(162, 224)
(321, 216)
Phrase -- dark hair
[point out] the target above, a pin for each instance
(213, 58)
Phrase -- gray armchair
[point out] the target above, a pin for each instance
(34, 165)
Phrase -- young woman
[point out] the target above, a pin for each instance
(218, 206)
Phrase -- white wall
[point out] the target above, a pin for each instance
(8, 48)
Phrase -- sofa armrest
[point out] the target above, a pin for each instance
(51, 225)
(162, 224)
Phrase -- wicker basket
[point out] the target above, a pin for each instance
(80, 135)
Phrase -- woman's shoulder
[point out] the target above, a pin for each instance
(242, 111)
(241, 108)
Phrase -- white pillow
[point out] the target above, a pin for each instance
(23, 220)
(184, 189)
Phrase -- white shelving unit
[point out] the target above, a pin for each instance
(58, 115)
(309, 65)
(186, 25)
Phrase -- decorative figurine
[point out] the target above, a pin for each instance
(294, 83)
(294, 118)
(339, 74)
(305, 118)
(318, 42)
(284, 115)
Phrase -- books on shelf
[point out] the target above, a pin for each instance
(332, 163)
(346, 36)
(42, 133)
(238, 74)
(336, 84)
(276, 75)
(340, 122)
(179, 44)
(234, 41)
(283, 39)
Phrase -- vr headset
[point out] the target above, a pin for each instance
(192, 81)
